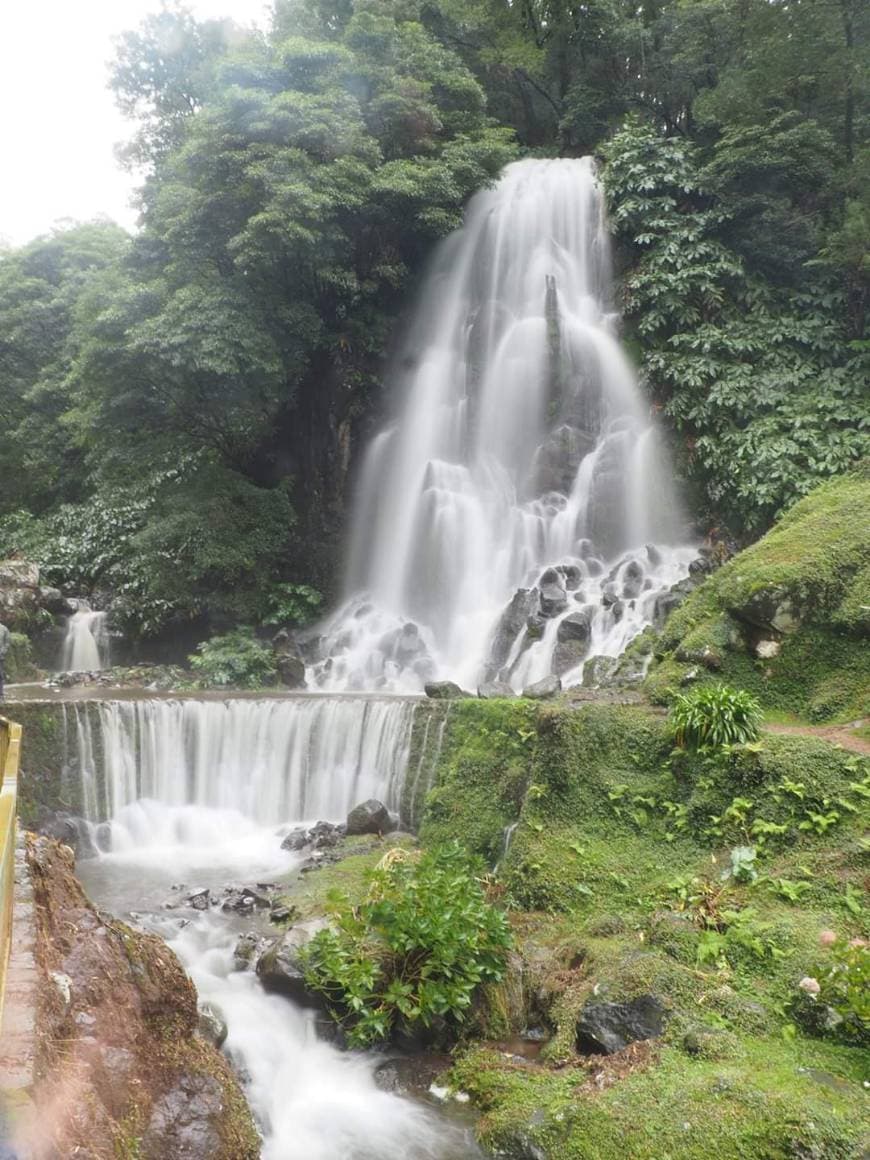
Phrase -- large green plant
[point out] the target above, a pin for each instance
(712, 716)
(414, 952)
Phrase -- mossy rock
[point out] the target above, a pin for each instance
(789, 617)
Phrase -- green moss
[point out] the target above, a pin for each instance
(811, 575)
(42, 783)
(19, 660)
(483, 769)
(774, 1100)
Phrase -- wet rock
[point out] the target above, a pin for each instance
(701, 567)
(567, 655)
(199, 899)
(575, 626)
(212, 1025)
(185, 1121)
(609, 596)
(244, 900)
(295, 840)
(443, 690)
(535, 626)
(632, 580)
(247, 950)
(653, 555)
(542, 690)
(408, 646)
(325, 835)
(410, 1075)
(598, 670)
(572, 575)
(706, 656)
(604, 1028)
(523, 604)
(288, 660)
(491, 690)
(66, 828)
(280, 968)
(281, 913)
(665, 603)
(554, 598)
(369, 817)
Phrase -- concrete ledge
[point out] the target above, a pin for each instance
(18, 1035)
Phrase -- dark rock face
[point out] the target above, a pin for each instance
(604, 1028)
(666, 602)
(770, 609)
(598, 671)
(567, 655)
(523, 604)
(632, 581)
(543, 689)
(491, 690)
(279, 967)
(370, 817)
(443, 690)
(575, 626)
(288, 660)
(554, 597)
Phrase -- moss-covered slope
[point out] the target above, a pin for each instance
(788, 618)
(617, 885)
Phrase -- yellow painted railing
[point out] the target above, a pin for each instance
(10, 745)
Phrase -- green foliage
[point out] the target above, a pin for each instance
(766, 386)
(235, 660)
(841, 982)
(292, 604)
(414, 952)
(714, 716)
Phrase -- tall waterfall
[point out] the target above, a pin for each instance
(517, 516)
(161, 769)
(86, 643)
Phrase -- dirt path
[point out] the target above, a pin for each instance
(837, 734)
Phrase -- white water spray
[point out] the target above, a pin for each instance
(522, 456)
(86, 643)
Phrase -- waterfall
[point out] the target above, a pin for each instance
(517, 515)
(179, 764)
(86, 644)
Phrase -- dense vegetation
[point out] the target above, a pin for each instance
(183, 408)
(727, 882)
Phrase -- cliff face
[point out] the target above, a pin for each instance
(121, 1070)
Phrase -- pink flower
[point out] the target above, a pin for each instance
(811, 986)
(827, 938)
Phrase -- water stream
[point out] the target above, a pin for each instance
(201, 792)
(86, 643)
(517, 516)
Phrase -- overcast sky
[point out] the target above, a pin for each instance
(59, 121)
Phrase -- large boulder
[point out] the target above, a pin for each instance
(369, 817)
(492, 690)
(575, 626)
(443, 690)
(288, 660)
(604, 1028)
(280, 967)
(544, 689)
(523, 605)
(554, 596)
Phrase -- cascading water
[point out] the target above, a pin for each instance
(174, 788)
(154, 766)
(86, 643)
(518, 515)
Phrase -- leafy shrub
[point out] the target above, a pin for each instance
(836, 997)
(292, 604)
(413, 954)
(235, 659)
(713, 716)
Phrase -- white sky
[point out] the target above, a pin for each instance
(59, 122)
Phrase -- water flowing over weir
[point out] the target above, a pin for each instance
(201, 791)
(518, 515)
(268, 761)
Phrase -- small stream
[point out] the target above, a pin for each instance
(310, 1100)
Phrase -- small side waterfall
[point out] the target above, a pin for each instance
(184, 766)
(518, 514)
(86, 646)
